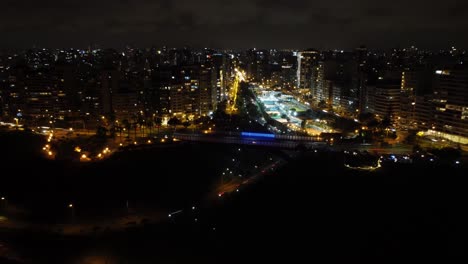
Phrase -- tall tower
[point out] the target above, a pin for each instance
(307, 62)
(207, 89)
(109, 82)
(361, 91)
(451, 104)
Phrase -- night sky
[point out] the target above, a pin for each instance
(234, 24)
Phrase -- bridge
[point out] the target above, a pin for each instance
(288, 142)
(256, 139)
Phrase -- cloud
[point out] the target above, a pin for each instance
(293, 23)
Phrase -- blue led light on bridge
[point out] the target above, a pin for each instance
(257, 135)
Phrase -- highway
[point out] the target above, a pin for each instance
(231, 108)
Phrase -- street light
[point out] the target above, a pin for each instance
(3, 202)
(71, 206)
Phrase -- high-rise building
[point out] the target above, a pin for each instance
(451, 104)
(13, 95)
(323, 90)
(288, 75)
(179, 100)
(359, 91)
(90, 95)
(387, 99)
(207, 90)
(370, 99)
(66, 85)
(125, 103)
(415, 85)
(41, 97)
(108, 83)
(307, 62)
(257, 65)
(223, 67)
(161, 84)
(189, 93)
(333, 87)
(424, 111)
(288, 62)
(193, 90)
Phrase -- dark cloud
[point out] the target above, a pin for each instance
(241, 23)
(282, 4)
(377, 11)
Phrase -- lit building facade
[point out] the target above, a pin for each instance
(307, 62)
(451, 104)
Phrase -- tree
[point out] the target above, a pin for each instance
(101, 132)
(365, 117)
(112, 117)
(174, 121)
(135, 126)
(186, 124)
(322, 104)
(65, 150)
(127, 126)
(84, 120)
(158, 123)
(200, 120)
(119, 128)
(411, 137)
(416, 148)
(149, 124)
(373, 124)
(113, 131)
(271, 122)
(141, 123)
(386, 122)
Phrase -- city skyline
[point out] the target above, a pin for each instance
(248, 131)
(247, 23)
(145, 151)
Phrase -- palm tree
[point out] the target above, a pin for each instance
(101, 132)
(141, 124)
(149, 124)
(84, 120)
(127, 126)
(174, 121)
(112, 131)
(135, 126)
(158, 122)
(119, 129)
(186, 124)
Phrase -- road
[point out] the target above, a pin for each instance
(234, 186)
(231, 108)
(393, 149)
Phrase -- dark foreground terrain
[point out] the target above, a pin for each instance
(311, 210)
